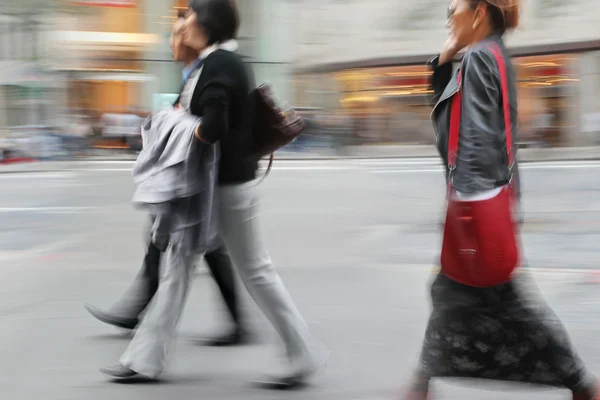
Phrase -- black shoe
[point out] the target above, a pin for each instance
(120, 372)
(295, 380)
(284, 382)
(235, 338)
(112, 319)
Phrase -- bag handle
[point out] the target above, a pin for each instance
(455, 113)
(271, 159)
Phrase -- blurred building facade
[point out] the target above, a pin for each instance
(26, 83)
(103, 50)
(354, 63)
(113, 56)
(366, 62)
(116, 52)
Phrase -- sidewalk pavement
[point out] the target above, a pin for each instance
(371, 317)
(525, 154)
(347, 266)
(357, 152)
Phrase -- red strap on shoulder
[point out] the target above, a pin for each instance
(455, 113)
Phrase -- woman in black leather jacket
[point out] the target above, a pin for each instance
(495, 332)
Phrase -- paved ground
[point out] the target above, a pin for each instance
(388, 151)
(353, 240)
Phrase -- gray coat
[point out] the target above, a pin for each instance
(482, 160)
(175, 177)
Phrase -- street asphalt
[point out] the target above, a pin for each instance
(355, 241)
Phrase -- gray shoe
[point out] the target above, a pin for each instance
(120, 372)
(112, 319)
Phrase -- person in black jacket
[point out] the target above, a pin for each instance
(126, 312)
(221, 97)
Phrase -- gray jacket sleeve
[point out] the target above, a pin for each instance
(441, 75)
(479, 134)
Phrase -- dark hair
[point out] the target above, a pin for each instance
(504, 14)
(218, 17)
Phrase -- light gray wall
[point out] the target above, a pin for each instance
(168, 74)
(266, 38)
(340, 31)
(590, 95)
(23, 62)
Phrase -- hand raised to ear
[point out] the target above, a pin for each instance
(449, 50)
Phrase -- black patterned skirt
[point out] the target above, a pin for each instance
(503, 333)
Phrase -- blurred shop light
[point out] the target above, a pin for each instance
(540, 64)
(409, 74)
(360, 99)
(101, 70)
(370, 111)
(564, 80)
(103, 3)
(548, 81)
(106, 37)
(124, 77)
(400, 93)
(531, 84)
(355, 75)
(410, 88)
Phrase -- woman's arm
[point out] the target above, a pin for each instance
(215, 114)
(442, 73)
(442, 67)
(481, 115)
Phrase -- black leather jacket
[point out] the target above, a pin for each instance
(482, 160)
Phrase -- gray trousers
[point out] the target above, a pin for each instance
(141, 292)
(147, 352)
(241, 232)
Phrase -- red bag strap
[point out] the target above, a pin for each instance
(455, 112)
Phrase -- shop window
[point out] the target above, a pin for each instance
(13, 40)
(4, 42)
(545, 103)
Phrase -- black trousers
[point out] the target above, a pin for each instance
(220, 267)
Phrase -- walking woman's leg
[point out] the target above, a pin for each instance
(137, 297)
(147, 352)
(239, 213)
(221, 268)
(418, 388)
(434, 354)
(526, 305)
(125, 313)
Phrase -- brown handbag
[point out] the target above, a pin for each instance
(273, 127)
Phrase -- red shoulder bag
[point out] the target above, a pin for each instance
(480, 245)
